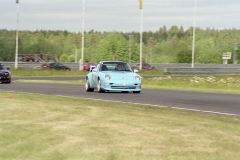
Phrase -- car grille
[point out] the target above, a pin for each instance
(123, 87)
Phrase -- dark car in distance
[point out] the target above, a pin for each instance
(56, 66)
(145, 66)
(5, 74)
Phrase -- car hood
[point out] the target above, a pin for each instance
(122, 75)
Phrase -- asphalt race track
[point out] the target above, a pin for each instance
(228, 104)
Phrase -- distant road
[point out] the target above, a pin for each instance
(205, 102)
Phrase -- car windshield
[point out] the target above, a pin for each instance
(115, 66)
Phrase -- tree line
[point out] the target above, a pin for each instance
(173, 45)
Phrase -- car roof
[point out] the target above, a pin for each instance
(49, 63)
(111, 62)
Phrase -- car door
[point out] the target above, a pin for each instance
(61, 66)
(144, 66)
(54, 66)
(95, 76)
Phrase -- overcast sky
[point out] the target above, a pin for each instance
(118, 15)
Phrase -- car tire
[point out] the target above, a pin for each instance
(87, 86)
(136, 91)
(99, 87)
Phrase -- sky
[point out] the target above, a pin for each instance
(118, 15)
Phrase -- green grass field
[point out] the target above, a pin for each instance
(59, 128)
(63, 128)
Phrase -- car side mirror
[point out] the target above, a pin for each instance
(8, 68)
(91, 68)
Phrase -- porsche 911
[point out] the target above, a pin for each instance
(113, 76)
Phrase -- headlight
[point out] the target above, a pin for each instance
(6, 73)
(138, 78)
(107, 77)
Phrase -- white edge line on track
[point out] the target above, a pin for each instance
(212, 112)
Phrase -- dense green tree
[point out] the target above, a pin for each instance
(150, 44)
(71, 58)
(162, 46)
(63, 58)
(112, 47)
(210, 56)
(184, 56)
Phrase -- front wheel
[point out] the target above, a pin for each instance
(87, 86)
(99, 87)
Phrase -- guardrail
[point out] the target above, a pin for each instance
(32, 65)
(225, 70)
(174, 68)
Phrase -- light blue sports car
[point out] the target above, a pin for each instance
(113, 76)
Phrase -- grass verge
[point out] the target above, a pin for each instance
(60, 128)
(221, 84)
(45, 72)
(49, 72)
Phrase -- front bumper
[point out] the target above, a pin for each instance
(121, 85)
(5, 78)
